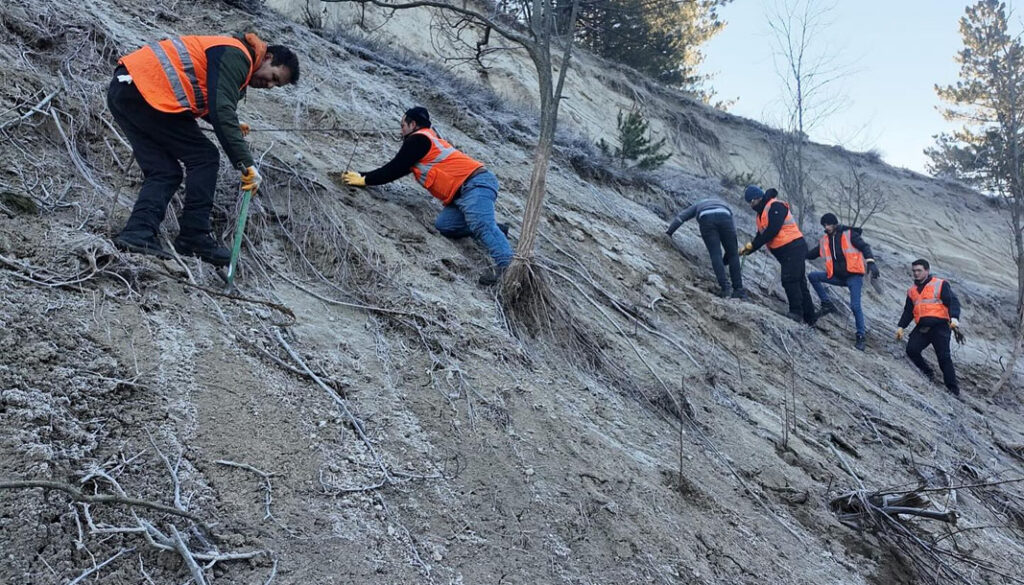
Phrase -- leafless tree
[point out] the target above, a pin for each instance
(543, 29)
(808, 75)
(858, 197)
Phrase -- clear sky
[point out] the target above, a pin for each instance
(895, 51)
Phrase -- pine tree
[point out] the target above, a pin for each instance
(635, 141)
(987, 152)
(660, 38)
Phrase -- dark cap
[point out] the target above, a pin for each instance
(753, 192)
(829, 219)
(420, 115)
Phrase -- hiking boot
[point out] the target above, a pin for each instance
(491, 276)
(795, 316)
(140, 242)
(859, 344)
(724, 292)
(826, 308)
(954, 390)
(204, 247)
(504, 228)
(739, 294)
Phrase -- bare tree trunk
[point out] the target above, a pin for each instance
(1018, 242)
(538, 178)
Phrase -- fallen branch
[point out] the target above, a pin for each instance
(36, 109)
(356, 423)
(78, 496)
(190, 561)
(86, 574)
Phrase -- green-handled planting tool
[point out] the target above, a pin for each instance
(236, 246)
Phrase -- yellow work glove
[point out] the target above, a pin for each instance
(353, 179)
(747, 249)
(954, 324)
(899, 334)
(244, 128)
(251, 179)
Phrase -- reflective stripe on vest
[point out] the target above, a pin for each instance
(190, 72)
(854, 257)
(928, 302)
(172, 73)
(444, 169)
(787, 233)
(424, 168)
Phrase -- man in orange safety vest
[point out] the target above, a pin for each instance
(156, 95)
(847, 259)
(463, 185)
(935, 311)
(777, 229)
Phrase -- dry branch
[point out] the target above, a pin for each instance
(86, 574)
(78, 496)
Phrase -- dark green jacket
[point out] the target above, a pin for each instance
(226, 70)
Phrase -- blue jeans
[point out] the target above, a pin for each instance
(471, 213)
(854, 282)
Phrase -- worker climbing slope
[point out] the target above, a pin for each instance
(156, 95)
(463, 185)
(777, 229)
(847, 259)
(718, 231)
(935, 311)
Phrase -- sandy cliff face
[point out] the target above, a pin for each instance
(408, 435)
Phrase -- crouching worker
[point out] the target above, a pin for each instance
(718, 231)
(847, 259)
(777, 229)
(465, 188)
(155, 97)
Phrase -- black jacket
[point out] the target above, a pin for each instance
(777, 212)
(414, 148)
(945, 294)
(836, 248)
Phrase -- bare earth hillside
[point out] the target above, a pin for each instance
(362, 412)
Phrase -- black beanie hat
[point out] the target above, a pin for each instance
(829, 219)
(420, 115)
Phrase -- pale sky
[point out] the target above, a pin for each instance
(896, 51)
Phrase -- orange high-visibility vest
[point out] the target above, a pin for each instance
(854, 257)
(171, 74)
(928, 302)
(787, 233)
(444, 169)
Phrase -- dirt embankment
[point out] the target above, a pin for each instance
(366, 415)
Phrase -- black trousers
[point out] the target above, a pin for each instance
(936, 336)
(792, 257)
(718, 231)
(162, 143)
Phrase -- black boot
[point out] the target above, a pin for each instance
(202, 246)
(739, 293)
(826, 308)
(859, 344)
(491, 276)
(140, 242)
